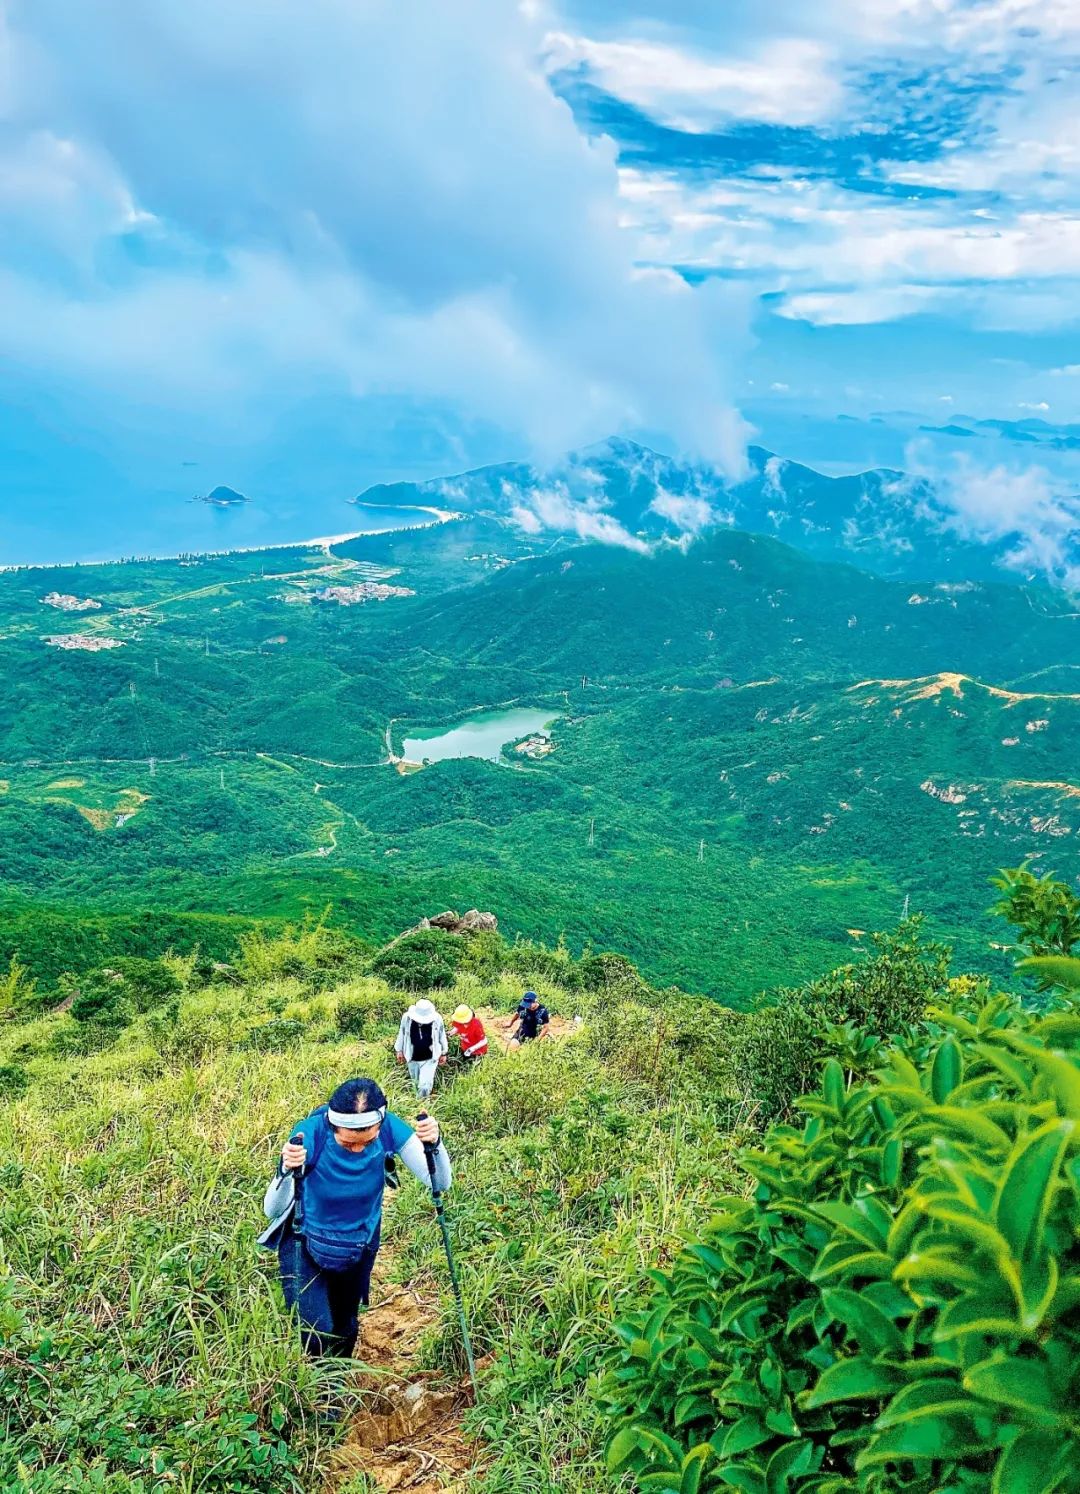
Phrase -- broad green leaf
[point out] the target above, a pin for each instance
(786, 1463)
(860, 1378)
(875, 1332)
(622, 1447)
(930, 1397)
(982, 1312)
(1027, 1184)
(947, 1070)
(1057, 970)
(693, 1468)
(1024, 1384)
(855, 1222)
(749, 1431)
(1062, 1074)
(928, 1440)
(971, 1124)
(832, 1086)
(1029, 1465)
(743, 1476)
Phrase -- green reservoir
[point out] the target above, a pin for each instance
(483, 735)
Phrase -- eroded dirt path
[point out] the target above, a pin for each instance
(408, 1437)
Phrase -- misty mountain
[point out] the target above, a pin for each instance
(884, 521)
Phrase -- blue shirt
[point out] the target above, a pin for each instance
(343, 1193)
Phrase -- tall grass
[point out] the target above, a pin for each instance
(143, 1345)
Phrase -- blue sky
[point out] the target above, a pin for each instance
(334, 242)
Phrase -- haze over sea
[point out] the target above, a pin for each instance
(68, 531)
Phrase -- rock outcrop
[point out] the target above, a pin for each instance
(472, 922)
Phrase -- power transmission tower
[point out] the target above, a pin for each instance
(206, 645)
(701, 850)
(221, 777)
(907, 905)
(592, 832)
(153, 766)
(157, 669)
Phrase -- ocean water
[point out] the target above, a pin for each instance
(61, 529)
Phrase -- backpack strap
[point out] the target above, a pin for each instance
(319, 1139)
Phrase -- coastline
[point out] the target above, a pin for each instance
(321, 542)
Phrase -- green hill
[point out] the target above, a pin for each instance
(726, 798)
(663, 1293)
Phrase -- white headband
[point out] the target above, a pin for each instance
(350, 1121)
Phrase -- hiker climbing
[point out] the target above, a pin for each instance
(325, 1206)
(470, 1031)
(532, 1018)
(422, 1044)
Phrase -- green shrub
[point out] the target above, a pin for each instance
(274, 1036)
(146, 983)
(608, 972)
(898, 1306)
(1044, 911)
(310, 952)
(424, 961)
(778, 1049)
(14, 1080)
(101, 1001)
(353, 1017)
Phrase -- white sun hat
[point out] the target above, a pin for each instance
(422, 1011)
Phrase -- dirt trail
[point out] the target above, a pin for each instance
(408, 1437)
(498, 1034)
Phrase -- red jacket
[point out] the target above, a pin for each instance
(473, 1037)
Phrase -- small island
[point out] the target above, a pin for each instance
(221, 497)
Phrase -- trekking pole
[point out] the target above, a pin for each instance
(430, 1149)
(298, 1189)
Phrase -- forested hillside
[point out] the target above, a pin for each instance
(753, 753)
(832, 1239)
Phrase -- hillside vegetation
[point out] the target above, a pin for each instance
(886, 1300)
(754, 751)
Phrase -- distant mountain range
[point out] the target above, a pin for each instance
(883, 521)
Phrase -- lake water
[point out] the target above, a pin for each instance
(483, 735)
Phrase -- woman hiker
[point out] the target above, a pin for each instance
(327, 1247)
(470, 1032)
(421, 1043)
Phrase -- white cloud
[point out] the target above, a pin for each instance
(689, 514)
(1033, 405)
(789, 81)
(1022, 504)
(552, 508)
(302, 230)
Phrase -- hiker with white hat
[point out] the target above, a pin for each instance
(421, 1043)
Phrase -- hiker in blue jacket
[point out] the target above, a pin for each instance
(326, 1229)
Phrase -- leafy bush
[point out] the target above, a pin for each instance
(898, 1306)
(311, 952)
(1044, 911)
(14, 1080)
(146, 983)
(608, 972)
(274, 1036)
(16, 987)
(100, 1001)
(424, 961)
(778, 1049)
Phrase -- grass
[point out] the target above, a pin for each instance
(142, 1339)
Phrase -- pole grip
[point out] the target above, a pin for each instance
(430, 1148)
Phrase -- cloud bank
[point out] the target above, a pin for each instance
(217, 208)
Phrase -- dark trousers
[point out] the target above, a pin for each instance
(326, 1302)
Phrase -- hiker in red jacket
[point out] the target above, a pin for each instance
(470, 1031)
